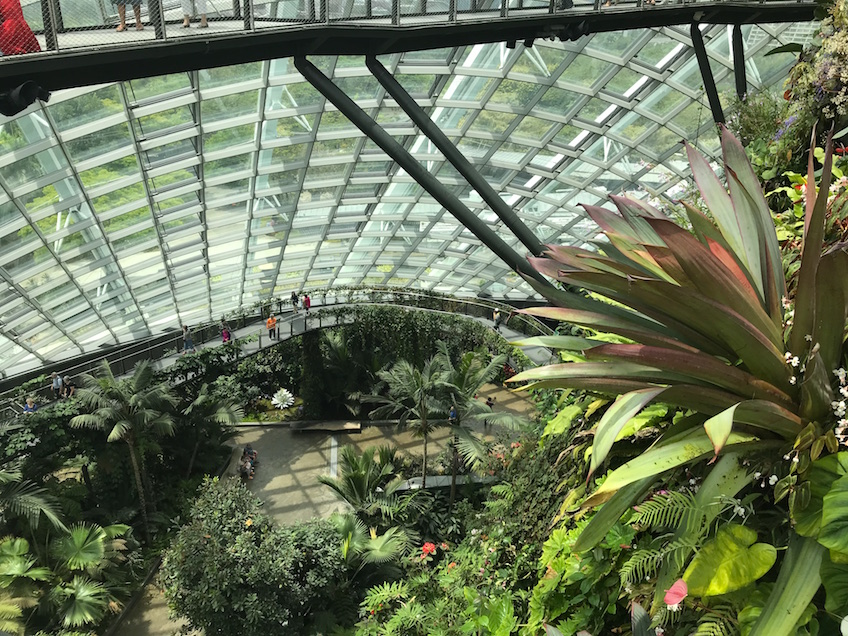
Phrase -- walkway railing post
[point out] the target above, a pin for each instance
(48, 15)
(156, 15)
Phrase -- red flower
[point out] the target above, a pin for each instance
(451, 565)
(444, 546)
(429, 548)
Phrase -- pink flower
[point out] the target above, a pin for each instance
(675, 594)
(428, 548)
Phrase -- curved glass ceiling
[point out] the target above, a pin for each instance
(127, 209)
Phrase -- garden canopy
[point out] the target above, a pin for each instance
(129, 208)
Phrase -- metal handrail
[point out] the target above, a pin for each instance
(293, 13)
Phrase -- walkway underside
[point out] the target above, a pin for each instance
(113, 57)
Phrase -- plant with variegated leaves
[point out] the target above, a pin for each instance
(708, 328)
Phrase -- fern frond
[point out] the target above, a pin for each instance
(644, 564)
(716, 624)
(666, 510)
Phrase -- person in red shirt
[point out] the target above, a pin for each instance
(16, 37)
(307, 302)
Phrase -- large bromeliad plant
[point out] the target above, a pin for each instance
(704, 324)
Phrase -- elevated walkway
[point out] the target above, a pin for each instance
(79, 44)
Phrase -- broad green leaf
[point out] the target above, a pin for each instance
(728, 562)
(816, 391)
(797, 583)
(561, 422)
(718, 428)
(569, 343)
(834, 576)
(834, 520)
(614, 420)
(664, 457)
(822, 475)
(610, 513)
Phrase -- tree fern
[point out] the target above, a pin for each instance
(666, 510)
(719, 621)
(385, 593)
(644, 564)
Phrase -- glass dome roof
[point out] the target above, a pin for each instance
(129, 208)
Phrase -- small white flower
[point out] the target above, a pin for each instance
(795, 460)
(786, 456)
(787, 356)
(739, 511)
(673, 608)
(794, 361)
(757, 475)
(808, 338)
(843, 391)
(773, 480)
(659, 631)
(793, 380)
(692, 482)
(785, 302)
(840, 373)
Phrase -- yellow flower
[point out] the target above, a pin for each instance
(248, 523)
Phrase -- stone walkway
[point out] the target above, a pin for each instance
(286, 481)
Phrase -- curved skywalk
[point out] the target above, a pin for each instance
(129, 208)
(79, 44)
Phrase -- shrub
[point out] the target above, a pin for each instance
(231, 570)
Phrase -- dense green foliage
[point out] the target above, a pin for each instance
(231, 570)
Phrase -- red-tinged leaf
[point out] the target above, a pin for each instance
(622, 370)
(805, 296)
(665, 259)
(729, 261)
(566, 343)
(810, 193)
(684, 309)
(769, 416)
(610, 222)
(712, 278)
(749, 203)
(718, 428)
(630, 326)
(676, 593)
(615, 419)
(644, 264)
(831, 305)
(698, 366)
(603, 386)
(738, 231)
(637, 216)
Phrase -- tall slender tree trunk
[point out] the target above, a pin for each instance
(454, 468)
(139, 486)
(424, 472)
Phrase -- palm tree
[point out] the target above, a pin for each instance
(368, 554)
(22, 498)
(210, 415)
(128, 409)
(412, 396)
(367, 481)
(462, 384)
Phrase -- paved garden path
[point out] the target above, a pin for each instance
(286, 481)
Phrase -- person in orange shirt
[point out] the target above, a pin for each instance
(271, 323)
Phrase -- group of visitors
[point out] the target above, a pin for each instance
(62, 388)
(248, 462)
(295, 301)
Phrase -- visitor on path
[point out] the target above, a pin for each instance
(188, 343)
(307, 302)
(452, 415)
(69, 387)
(56, 385)
(16, 37)
(271, 325)
(188, 12)
(225, 334)
(496, 316)
(122, 14)
(30, 406)
(294, 300)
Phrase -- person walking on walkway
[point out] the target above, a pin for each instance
(496, 316)
(122, 14)
(271, 324)
(188, 12)
(294, 300)
(188, 343)
(15, 35)
(56, 385)
(307, 302)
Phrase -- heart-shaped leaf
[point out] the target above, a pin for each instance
(835, 579)
(728, 562)
(834, 523)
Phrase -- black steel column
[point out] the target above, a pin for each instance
(422, 176)
(157, 18)
(706, 73)
(452, 154)
(739, 62)
(48, 18)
